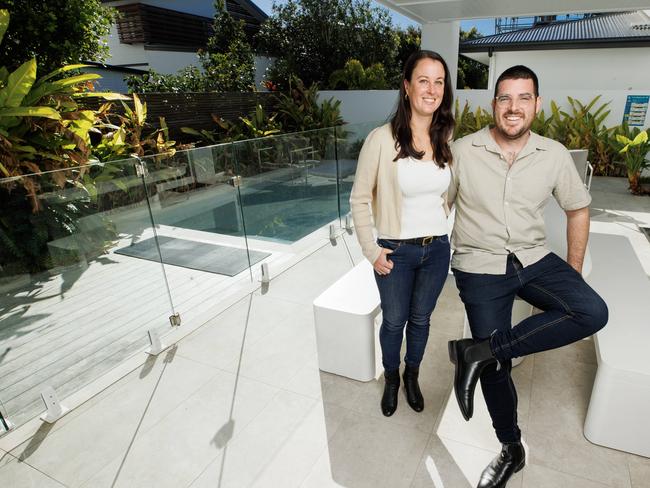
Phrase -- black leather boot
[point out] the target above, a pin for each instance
(510, 460)
(470, 357)
(391, 388)
(413, 393)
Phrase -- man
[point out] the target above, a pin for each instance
(502, 177)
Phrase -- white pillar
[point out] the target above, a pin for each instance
(492, 73)
(442, 37)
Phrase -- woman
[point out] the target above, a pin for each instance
(403, 173)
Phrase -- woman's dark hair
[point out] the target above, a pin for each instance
(442, 121)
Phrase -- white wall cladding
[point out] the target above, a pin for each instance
(583, 69)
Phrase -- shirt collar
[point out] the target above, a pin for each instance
(483, 138)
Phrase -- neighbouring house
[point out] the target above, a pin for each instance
(602, 52)
(164, 36)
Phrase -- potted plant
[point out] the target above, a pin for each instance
(635, 150)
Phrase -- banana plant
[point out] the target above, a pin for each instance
(259, 124)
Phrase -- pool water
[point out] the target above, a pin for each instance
(284, 211)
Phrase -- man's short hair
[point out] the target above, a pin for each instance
(517, 73)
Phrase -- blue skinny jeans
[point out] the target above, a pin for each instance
(408, 296)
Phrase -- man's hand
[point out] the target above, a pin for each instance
(383, 265)
(577, 234)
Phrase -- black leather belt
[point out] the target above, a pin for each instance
(420, 241)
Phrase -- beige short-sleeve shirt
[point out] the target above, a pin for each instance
(500, 208)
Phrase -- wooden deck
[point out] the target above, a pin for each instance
(66, 329)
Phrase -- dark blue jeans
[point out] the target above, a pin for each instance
(408, 296)
(571, 311)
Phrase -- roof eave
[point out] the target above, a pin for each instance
(553, 45)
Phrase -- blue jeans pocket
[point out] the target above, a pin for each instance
(389, 244)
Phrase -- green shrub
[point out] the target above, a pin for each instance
(354, 76)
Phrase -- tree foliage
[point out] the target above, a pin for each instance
(228, 60)
(409, 42)
(354, 76)
(313, 38)
(188, 79)
(56, 32)
(471, 73)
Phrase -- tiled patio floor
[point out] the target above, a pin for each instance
(241, 403)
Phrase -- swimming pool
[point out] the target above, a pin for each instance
(285, 210)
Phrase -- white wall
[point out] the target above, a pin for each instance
(374, 105)
(131, 55)
(110, 80)
(169, 62)
(363, 105)
(602, 69)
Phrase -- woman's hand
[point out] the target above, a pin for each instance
(383, 265)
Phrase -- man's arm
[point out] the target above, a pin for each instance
(577, 234)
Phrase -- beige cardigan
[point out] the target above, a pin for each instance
(376, 185)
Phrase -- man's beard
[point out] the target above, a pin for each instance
(523, 131)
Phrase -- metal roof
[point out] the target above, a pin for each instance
(612, 30)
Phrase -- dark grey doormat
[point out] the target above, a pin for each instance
(213, 258)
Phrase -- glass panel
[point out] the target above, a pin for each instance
(71, 305)
(349, 140)
(199, 226)
(289, 188)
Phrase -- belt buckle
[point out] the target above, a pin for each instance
(427, 240)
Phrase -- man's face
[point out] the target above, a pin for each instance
(515, 107)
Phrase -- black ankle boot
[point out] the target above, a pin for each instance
(413, 393)
(470, 357)
(510, 460)
(391, 388)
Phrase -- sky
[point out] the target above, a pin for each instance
(484, 26)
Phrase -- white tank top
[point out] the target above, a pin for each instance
(422, 184)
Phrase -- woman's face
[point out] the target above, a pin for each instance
(426, 87)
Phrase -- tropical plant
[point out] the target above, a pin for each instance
(300, 110)
(44, 145)
(635, 151)
(583, 128)
(42, 127)
(259, 124)
(354, 76)
(468, 121)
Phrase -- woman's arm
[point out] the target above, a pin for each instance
(363, 192)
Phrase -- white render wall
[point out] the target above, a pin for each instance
(376, 105)
(583, 69)
(169, 62)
